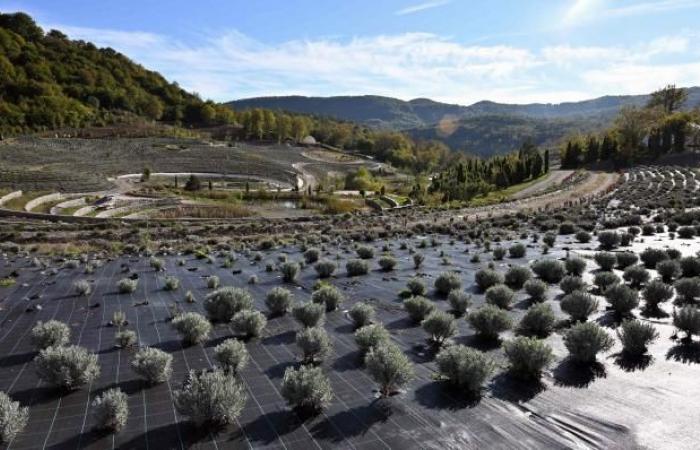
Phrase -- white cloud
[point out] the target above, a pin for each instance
(567, 55)
(421, 7)
(637, 78)
(584, 11)
(581, 10)
(408, 65)
(116, 38)
(652, 7)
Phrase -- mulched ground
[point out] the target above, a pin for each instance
(608, 406)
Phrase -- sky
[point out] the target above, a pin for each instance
(455, 51)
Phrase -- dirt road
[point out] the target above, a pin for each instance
(555, 177)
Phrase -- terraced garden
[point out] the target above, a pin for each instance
(622, 280)
(85, 171)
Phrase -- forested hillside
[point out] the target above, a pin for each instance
(49, 81)
(371, 110)
(492, 134)
(484, 128)
(468, 178)
(421, 112)
(662, 126)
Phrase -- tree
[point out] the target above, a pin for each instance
(284, 126)
(669, 98)
(193, 183)
(592, 149)
(300, 127)
(152, 108)
(608, 148)
(257, 123)
(631, 126)
(21, 24)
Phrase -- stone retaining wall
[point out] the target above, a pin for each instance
(12, 195)
(29, 207)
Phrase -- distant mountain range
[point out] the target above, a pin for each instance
(483, 128)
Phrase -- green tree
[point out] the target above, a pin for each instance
(669, 98)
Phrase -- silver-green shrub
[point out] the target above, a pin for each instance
(222, 304)
(232, 355)
(464, 367)
(111, 410)
(585, 340)
(153, 365)
(489, 321)
(418, 308)
(306, 388)
(13, 418)
(362, 314)
(329, 296)
(459, 301)
(193, 327)
(528, 356)
(249, 323)
(67, 367)
(389, 367)
(279, 300)
(210, 398)
(440, 326)
(314, 344)
(127, 285)
(309, 314)
(371, 336)
(50, 334)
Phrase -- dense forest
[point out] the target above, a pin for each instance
(470, 177)
(639, 133)
(48, 81)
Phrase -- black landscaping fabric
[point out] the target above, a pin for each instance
(606, 406)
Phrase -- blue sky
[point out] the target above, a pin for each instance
(458, 51)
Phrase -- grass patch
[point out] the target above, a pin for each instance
(19, 202)
(202, 212)
(400, 199)
(7, 282)
(70, 211)
(339, 206)
(45, 208)
(503, 195)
